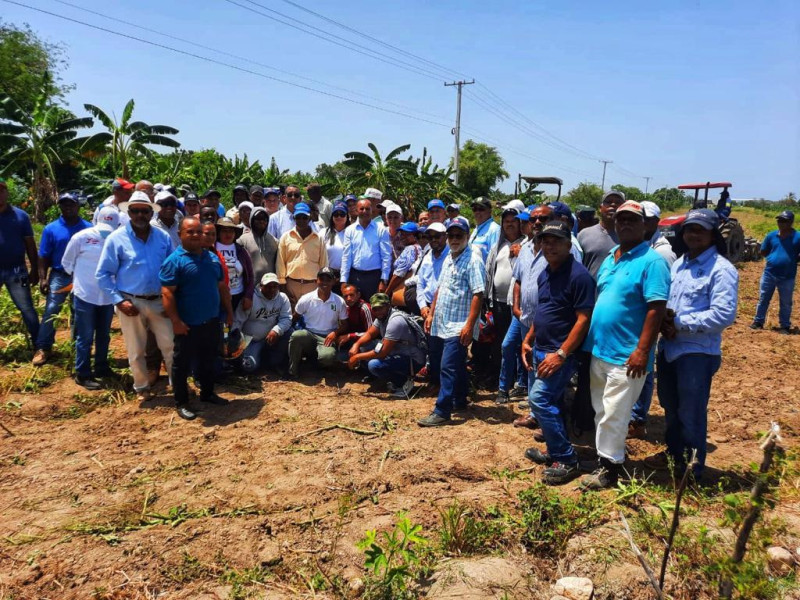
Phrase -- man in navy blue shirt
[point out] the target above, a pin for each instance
(16, 240)
(192, 287)
(565, 302)
(782, 251)
(56, 284)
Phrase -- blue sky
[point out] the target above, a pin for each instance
(681, 91)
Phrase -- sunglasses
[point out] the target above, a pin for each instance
(479, 208)
(294, 195)
(340, 214)
(456, 235)
(540, 218)
(139, 211)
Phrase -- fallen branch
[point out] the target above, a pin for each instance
(337, 426)
(676, 515)
(7, 430)
(640, 557)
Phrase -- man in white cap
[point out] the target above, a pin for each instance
(167, 218)
(92, 308)
(129, 273)
(394, 219)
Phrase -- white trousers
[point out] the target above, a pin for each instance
(134, 330)
(613, 397)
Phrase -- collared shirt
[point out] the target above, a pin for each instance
(55, 237)
(404, 264)
(300, 258)
(130, 265)
(430, 271)
(461, 279)
(325, 208)
(282, 222)
(321, 316)
(782, 254)
(624, 288)
(661, 245)
(124, 219)
(484, 238)
(196, 279)
(527, 269)
(703, 294)
(577, 251)
(172, 232)
(596, 241)
(80, 260)
(15, 226)
(367, 249)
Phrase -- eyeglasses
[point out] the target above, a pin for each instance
(540, 218)
(609, 202)
(294, 195)
(139, 211)
(454, 235)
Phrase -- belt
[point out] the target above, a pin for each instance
(303, 281)
(140, 297)
(366, 271)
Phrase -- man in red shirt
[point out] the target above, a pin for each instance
(359, 320)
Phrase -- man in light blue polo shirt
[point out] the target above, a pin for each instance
(486, 232)
(367, 254)
(633, 288)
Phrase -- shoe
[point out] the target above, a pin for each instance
(637, 430)
(152, 378)
(462, 408)
(527, 421)
(785, 331)
(40, 357)
(433, 420)
(422, 375)
(539, 457)
(88, 383)
(502, 397)
(755, 325)
(603, 477)
(524, 405)
(185, 413)
(560, 473)
(663, 461)
(214, 399)
(538, 436)
(518, 392)
(390, 387)
(103, 373)
(404, 391)
(143, 395)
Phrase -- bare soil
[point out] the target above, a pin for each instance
(129, 501)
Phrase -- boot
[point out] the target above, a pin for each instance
(604, 476)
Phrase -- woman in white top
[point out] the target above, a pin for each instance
(333, 236)
(237, 259)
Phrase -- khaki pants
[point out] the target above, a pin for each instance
(134, 331)
(295, 289)
(304, 343)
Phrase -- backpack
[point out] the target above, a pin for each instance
(414, 324)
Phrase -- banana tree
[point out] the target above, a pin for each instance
(124, 139)
(387, 174)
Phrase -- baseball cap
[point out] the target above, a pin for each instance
(631, 206)
(121, 184)
(585, 210)
(269, 278)
(326, 272)
(350, 197)
(301, 208)
(435, 203)
(138, 198)
(107, 218)
(378, 300)
(190, 197)
(372, 194)
(240, 188)
(409, 227)
(164, 197)
(557, 229)
(706, 218)
(515, 204)
(211, 192)
(340, 207)
(459, 222)
(453, 206)
(524, 216)
(436, 228)
(481, 201)
(391, 207)
(617, 193)
(651, 210)
(560, 209)
(67, 198)
(246, 204)
(271, 190)
(786, 215)
(256, 189)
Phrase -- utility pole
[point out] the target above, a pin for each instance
(647, 185)
(457, 130)
(605, 163)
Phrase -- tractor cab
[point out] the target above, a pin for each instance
(533, 181)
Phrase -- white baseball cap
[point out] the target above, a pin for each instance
(651, 209)
(107, 218)
(391, 207)
(437, 227)
(516, 205)
(372, 194)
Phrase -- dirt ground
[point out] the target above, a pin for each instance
(267, 483)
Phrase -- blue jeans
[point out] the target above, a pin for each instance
(511, 364)
(642, 406)
(92, 323)
(277, 355)
(16, 280)
(55, 300)
(785, 290)
(450, 357)
(546, 397)
(684, 386)
(396, 369)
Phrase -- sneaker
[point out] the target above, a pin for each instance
(390, 387)
(422, 375)
(603, 477)
(637, 430)
(502, 397)
(185, 413)
(88, 383)
(560, 473)
(755, 325)
(433, 420)
(785, 331)
(404, 391)
(519, 392)
(539, 457)
(663, 461)
(40, 357)
(214, 399)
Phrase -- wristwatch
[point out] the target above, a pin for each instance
(561, 354)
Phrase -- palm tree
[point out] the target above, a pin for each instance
(39, 141)
(126, 138)
(387, 174)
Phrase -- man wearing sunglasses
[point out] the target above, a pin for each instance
(484, 238)
(301, 255)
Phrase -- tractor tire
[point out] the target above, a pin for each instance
(733, 234)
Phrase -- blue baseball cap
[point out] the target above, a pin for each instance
(301, 208)
(524, 216)
(409, 227)
(435, 203)
(339, 207)
(560, 209)
(350, 197)
(706, 218)
(786, 215)
(271, 190)
(67, 198)
(459, 222)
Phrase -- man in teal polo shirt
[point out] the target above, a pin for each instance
(633, 288)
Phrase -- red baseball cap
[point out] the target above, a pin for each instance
(121, 184)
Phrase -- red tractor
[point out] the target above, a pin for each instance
(739, 247)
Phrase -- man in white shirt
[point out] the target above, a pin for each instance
(92, 308)
(325, 316)
(168, 219)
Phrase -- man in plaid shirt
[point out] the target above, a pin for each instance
(452, 322)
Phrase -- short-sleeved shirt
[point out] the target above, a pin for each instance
(461, 279)
(15, 226)
(80, 260)
(527, 269)
(596, 242)
(782, 254)
(321, 316)
(624, 288)
(484, 238)
(196, 278)
(55, 237)
(395, 328)
(562, 292)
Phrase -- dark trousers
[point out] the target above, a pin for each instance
(200, 347)
(366, 281)
(502, 321)
(582, 411)
(451, 356)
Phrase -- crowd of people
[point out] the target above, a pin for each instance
(287, 281)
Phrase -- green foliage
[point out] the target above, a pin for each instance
(465, 532)
(671, 199)
(391, 558)
(480, 168)
(631, 192)
(585, 194)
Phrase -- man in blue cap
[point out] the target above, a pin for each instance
(782, 251)
(702, 304)
(436, 211)
(56, 284)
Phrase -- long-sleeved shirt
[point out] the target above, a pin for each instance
(484, 238)
(281, 222)
(430, 270)
(263, 253)
(461, 279)
(527, 269)
(704, 295)
(131, 265)
(300, 258)
(80, 260)
(367, 249)
(264, 316)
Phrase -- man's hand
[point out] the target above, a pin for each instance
(342, 339)
(355, 349)
(330, 339)
(44, 286)
(637, 364)
(466, 335)
(33, 278)
(513, 251)
(382, 287)
(353, 361)
(179, 327)
(551, 363)
(428, 323)
(272, 338)
(247, 304)
(127, 308)
(527, 351)
(425, 311)
(668, 325)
